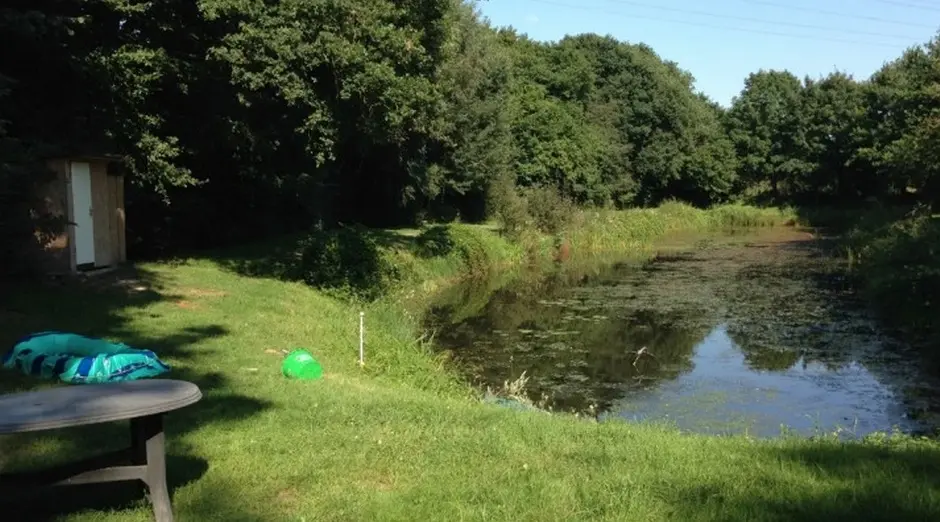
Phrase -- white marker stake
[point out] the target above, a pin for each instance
(361, 335)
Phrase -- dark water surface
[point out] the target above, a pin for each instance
(741, 333)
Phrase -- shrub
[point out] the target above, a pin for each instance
(435, 242)
(346, 259)
(899, 268)
(459, 240)
(472, 250)
(551, 212)
(852, 219)
(507, 207)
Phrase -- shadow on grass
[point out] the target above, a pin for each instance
(347, 261)
(401, 239)
(281, 258)
(846, 482)
(128, 498)
(100, 307)
(278, 258)
(118, 496)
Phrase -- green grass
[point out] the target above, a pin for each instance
(403, 439)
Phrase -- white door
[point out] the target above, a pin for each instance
(81, 208)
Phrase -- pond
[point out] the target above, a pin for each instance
(740, 333)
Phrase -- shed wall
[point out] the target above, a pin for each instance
(56, 254)
(101, 212)
(118, 220)
(108, 207)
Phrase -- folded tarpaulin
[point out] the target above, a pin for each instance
(76, 359)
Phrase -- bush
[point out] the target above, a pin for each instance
(436, 241)
(459, 240)
(346, 259)
(851, 219)
(899, 269)
(519, 210)
(472, 250)
(550, 211)
(506, 206)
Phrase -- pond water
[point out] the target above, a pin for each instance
(746, 333)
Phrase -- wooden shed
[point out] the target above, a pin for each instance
(89, 192)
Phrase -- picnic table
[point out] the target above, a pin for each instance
(143, 403)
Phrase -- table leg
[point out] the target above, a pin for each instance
(148, 447)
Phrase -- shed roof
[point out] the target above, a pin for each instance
(87, 157)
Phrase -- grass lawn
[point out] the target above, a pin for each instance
(402, 439)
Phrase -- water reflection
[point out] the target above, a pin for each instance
(727, 393)
(735, 335)
(577, 351)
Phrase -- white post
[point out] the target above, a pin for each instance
(361, 335)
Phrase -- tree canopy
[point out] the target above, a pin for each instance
(237, 119)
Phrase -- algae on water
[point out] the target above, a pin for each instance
(730, 333)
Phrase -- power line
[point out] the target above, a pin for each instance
(920, 3)
(843, 15)
(721, 27)
(908, 4)
(755, 20)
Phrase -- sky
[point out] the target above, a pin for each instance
(722, 41)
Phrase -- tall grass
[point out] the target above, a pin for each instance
(743, 216)
(635, 230)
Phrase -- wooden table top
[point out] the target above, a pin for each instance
(84, 404)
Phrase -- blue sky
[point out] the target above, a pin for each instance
(721, 41)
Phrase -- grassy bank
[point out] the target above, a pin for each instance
(893, 260)
(897, 267)
(402, 439)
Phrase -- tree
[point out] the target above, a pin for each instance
(903, 112)
(475, 140)
(834, 108)
(767, 124)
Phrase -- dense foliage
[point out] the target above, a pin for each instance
(239, 119)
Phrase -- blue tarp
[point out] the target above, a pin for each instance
(76, 359)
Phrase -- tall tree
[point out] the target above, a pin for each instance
(474, 142)
(903, 113)
(767, 125)
(834, 109)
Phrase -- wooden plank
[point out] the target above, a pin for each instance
(114, 241)
(120, 220)
(65, 177)
(101, 209)
(73, 263)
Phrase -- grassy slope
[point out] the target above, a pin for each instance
(894, 263)
(401, 440)
(898, 269)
